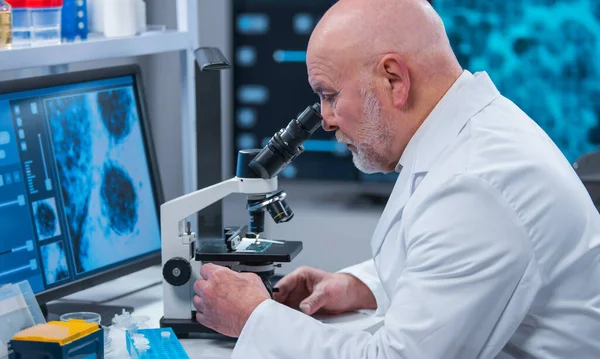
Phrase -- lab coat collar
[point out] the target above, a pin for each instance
(468, 95)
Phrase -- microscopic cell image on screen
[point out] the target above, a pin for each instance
(114, 108)
(46, 219)
(106, 187)
(118, 199)
(55, 262)
(542, 55)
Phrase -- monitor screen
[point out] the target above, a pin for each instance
(542, 55)
(270, 85)
(77, 195)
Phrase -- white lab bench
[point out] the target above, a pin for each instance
(145, 296)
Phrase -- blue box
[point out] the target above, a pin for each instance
(161, 347)
(74, 20)
(90, 346)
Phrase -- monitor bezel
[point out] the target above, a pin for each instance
(69, 78)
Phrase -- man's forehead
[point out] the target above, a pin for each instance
(323, 71)
(320, 83)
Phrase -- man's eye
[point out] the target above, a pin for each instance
(329, 98)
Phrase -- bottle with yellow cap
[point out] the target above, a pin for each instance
(59, 340)
(5, 25)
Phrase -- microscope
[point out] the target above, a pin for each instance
(241, 249)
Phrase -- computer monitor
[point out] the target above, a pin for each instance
(79, 185)
(542, 55)
(270, 85)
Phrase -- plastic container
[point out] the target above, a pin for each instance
(45, 21)
(21, 23)
(74, 339)
(90, 317)
(154, 343)
(121, 324)
(95, 15)
(74, 26)
(5, 25)
(120, 17)
(141, 16)
(18, 310)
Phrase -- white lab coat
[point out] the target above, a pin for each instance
(488, 248)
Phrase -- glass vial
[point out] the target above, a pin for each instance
(5, 25)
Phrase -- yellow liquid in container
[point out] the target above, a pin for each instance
(5, 29)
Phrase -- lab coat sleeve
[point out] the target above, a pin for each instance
(469, 272)
(367, 274)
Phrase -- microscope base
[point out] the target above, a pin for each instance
(186, 328)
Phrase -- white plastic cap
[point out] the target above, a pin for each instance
(165, 334)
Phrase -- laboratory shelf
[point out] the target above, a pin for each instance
(94, 49)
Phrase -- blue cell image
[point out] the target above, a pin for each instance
(119, 199)
(542, 54)
(115, 109)
(105, 182)
(72, 139)
(55, 262)
(46, 219)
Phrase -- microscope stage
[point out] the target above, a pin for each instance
(280, 253)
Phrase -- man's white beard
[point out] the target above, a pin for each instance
(375, 137)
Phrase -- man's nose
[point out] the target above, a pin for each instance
(328, 126)
(329, 123)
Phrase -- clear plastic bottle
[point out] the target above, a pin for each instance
(45, 21)
(5, 25)
(21, 21)
(120, 18)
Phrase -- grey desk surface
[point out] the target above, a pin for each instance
(148, 302)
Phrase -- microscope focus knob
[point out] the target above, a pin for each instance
(177, 271)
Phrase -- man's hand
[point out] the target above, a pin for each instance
(330, 293)
(225, 299)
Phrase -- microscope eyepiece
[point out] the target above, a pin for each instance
(286, 144)
(281, 149)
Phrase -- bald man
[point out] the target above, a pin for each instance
(489, 246)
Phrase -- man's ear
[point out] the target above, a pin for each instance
(395, 72)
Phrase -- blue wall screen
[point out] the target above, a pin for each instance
(542, 54)
(76, 192)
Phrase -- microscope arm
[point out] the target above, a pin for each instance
(172, 212)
